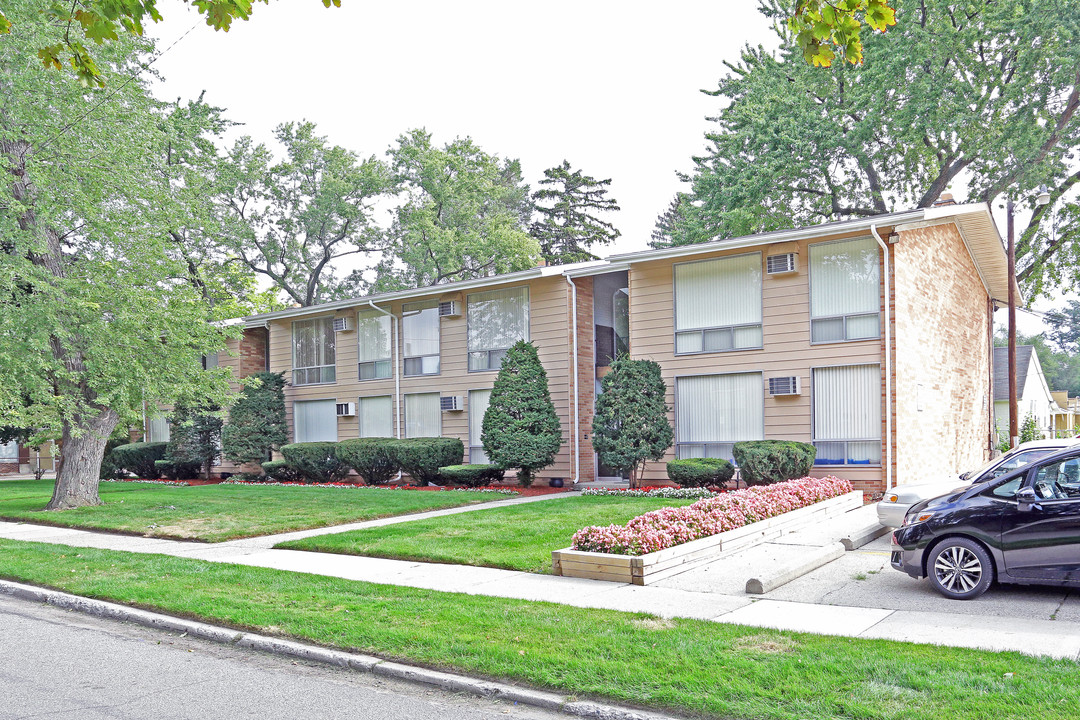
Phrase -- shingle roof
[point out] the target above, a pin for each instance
(1001, 370)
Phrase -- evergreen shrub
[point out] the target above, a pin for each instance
(763, 462)
(472, 475)
(177, 470)
(256, 424)
(281, 471)
(139, 458)
(369, 457)
(316, 461)
(421, 458)
(700, 472)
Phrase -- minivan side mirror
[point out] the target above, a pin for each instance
(1027, 500)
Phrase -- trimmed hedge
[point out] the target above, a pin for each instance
(763, 462)
(369, 457)
(316, 461)
(700, 472)
(281, 471)
(421, 458)
(139, 458)
(177, 470)
(472, 475)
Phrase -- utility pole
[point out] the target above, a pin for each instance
(1014, 421)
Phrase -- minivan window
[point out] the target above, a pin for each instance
(1007, 490)
(1059, 480)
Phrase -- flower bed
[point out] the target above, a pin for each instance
(412, 488)
(669, 527)
(670, 493)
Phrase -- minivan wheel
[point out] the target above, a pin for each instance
(960, 569)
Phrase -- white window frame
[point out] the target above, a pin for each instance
(814, 439)
(493, 353)
(731, 330)
(843, 318)
(383, 366)
(416, 308)
(713, 448)
(327, 373)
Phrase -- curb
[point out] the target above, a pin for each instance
(338, 658)
(814, 558)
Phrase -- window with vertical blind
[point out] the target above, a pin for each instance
(844, 291)
(209, 362)
(423, 416)
(376, 416)
(496, 320)
(713, 412)
(315, 421)
(159, 430)
(314, 355)
(478, 405)
(420, 337)
(718, 304)
(373, 338)
(847, 415)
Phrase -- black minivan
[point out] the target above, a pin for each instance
(1023, 527)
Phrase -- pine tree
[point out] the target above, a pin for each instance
(631, 423)
(568, 203)
(520, 428)
(196, 436)
(256, 424)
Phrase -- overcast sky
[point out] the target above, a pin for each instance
(613, 87)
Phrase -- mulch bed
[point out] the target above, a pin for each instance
(537, 489)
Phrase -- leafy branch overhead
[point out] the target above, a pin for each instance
(106, 20)
(824, 29)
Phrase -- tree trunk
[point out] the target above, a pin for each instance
(79, 471)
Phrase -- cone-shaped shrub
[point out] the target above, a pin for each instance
(631, 424)
(520, 428)
(256, 424)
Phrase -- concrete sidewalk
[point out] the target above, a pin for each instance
(1053, 638)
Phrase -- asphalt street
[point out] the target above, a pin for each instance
(60, 664)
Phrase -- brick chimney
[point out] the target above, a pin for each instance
(944, 199)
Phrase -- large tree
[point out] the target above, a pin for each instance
(462, 215)
(293, 220)
(97, 313)
(568, 202)
(981, 100)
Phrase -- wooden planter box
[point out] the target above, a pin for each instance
(644, 569)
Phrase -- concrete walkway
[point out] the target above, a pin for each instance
(1054, 638)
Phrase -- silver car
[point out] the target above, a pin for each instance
(895, 504)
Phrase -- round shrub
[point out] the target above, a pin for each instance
(700, 472)
(316, 461)
(763, 462)
(139, 458)
(421, 458)
(281, 471)
(474, 475)
(369, 457)
(177, 470)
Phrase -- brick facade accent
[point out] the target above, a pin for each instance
(586, 377)
(943, 409)
(253, 351)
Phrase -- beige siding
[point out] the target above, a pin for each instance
(786, 347)
(547, 328)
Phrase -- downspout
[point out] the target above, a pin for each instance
(574, 372)
(888, 364)
(394, 360)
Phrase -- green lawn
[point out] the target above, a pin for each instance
(221, 512)
(697, 667)
(519, 537)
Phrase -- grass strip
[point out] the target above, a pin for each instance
(701, 668)
(519, 537)
(214, 513)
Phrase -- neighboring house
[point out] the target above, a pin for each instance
(870, 338)
(16, 457)
(1066, 414)
(1033, 395)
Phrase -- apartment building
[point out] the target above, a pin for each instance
(870, 338)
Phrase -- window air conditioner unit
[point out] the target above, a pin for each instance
(452, 403)
(782, 264)
(346, 409)
(341, 324)
(451, 308)
(784, 385)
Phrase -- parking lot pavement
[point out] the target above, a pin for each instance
(864, 578)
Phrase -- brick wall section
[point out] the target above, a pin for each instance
(586, 376)
(942, 358)
(253, 351)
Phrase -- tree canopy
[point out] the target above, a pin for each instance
(982, 101)
(567, 202)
